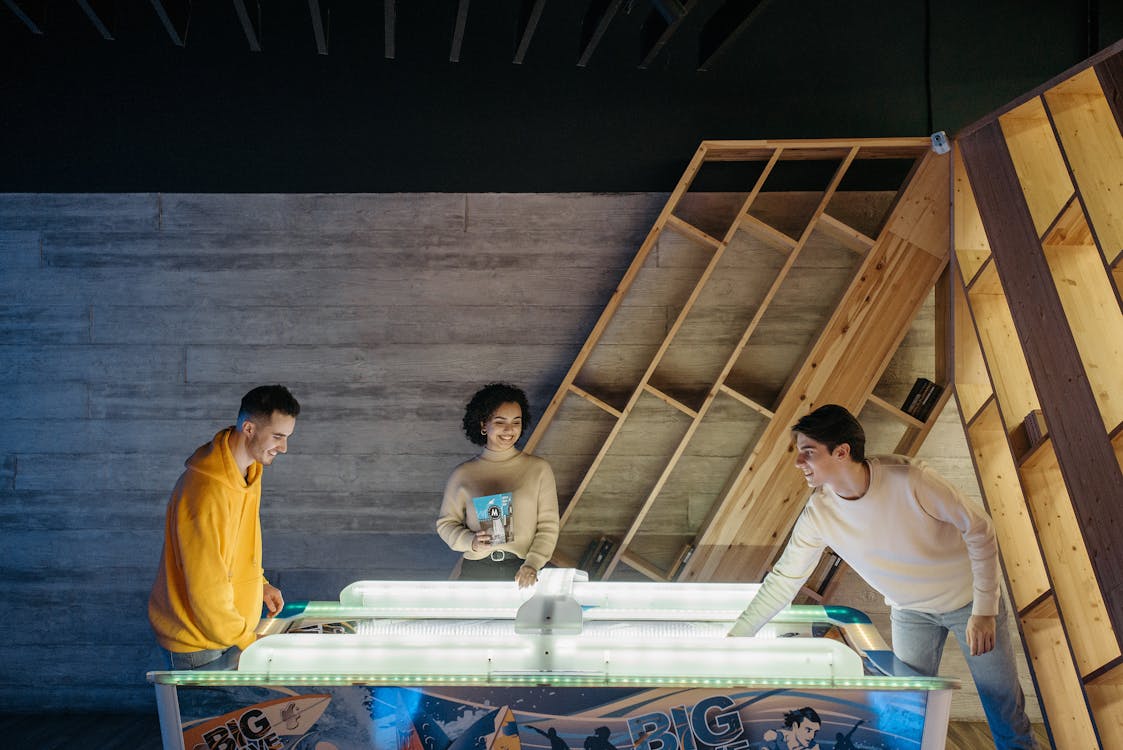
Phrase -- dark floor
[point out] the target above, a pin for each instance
(142, 732)
(100, 731)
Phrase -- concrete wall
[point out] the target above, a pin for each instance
(131, 325)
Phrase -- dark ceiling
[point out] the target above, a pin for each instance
(490, 95)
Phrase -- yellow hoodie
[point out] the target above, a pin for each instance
(208, 589)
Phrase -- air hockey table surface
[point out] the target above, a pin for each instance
(459, 665)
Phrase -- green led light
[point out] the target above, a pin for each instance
(191, 679)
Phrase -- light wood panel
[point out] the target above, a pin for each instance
(1063, 701)
(998, 479)
(1078, 595)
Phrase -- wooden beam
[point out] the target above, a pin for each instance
(21, 15)
(531, 15)
(598, 18)
(389, 22)
(182, 12)
(458, 31)
(715, 39)
(664, 20)
(318, 26)
(1084, 452)
(252, 36)
(95, 19)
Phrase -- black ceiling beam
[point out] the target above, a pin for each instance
(529, 18)
(598, 18)
(95, 19)
(15, 8)
(715, 41)
(182, 11)
(458, 31)
(253, 37)
(664, 20)
(389, 22)
(318, 26)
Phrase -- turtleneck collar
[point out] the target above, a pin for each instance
(507, 455)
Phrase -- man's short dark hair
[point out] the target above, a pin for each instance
(800, 715)
(484, 403)
(261, 402)
(832, 425)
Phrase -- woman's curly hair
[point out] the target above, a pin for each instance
(484, 403)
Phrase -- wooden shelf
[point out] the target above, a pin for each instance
(1090, 136)
(1092, 309)
(1061, 693)
(1105, 695)
(692, 232)
(998, 479)
(847, 236)
(1001, 347)
(595, 401)
(1078, 596)
(970, 240)
(1038, 161)
(972, 382)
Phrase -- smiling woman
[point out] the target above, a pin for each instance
(500, 508)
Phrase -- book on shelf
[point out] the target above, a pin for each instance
(494, 514)
(922, 399)
(679, 564)
(596, 557)
(1036, 431)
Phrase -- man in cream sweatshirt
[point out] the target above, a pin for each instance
(210, 586)
(915, 539)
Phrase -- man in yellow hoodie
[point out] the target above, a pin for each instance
(210, 586)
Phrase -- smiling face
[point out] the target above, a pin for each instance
(266, 438)
(820, 465)
(504, 426)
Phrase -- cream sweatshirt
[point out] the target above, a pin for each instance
(913, 537)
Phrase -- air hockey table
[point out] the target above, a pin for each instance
(568, 665)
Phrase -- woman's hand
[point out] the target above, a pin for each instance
(527, 576)
(483, 539)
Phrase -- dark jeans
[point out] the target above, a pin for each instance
(489, 570)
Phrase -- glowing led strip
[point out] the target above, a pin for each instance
(198, 679)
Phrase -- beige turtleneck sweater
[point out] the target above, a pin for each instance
(534, 504)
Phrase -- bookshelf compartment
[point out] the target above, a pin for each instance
(972, 383)
(998, 480)
(735, 291)
(811, 284)
(636, 335)
(1093, 312)
(1093, 641)
(1063, 701)
(1105, 694)
(1093, 144)
(1037, 159)
(1002, 348)
(970, 240)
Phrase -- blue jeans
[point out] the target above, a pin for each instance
(918, 640)
(204, 660)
